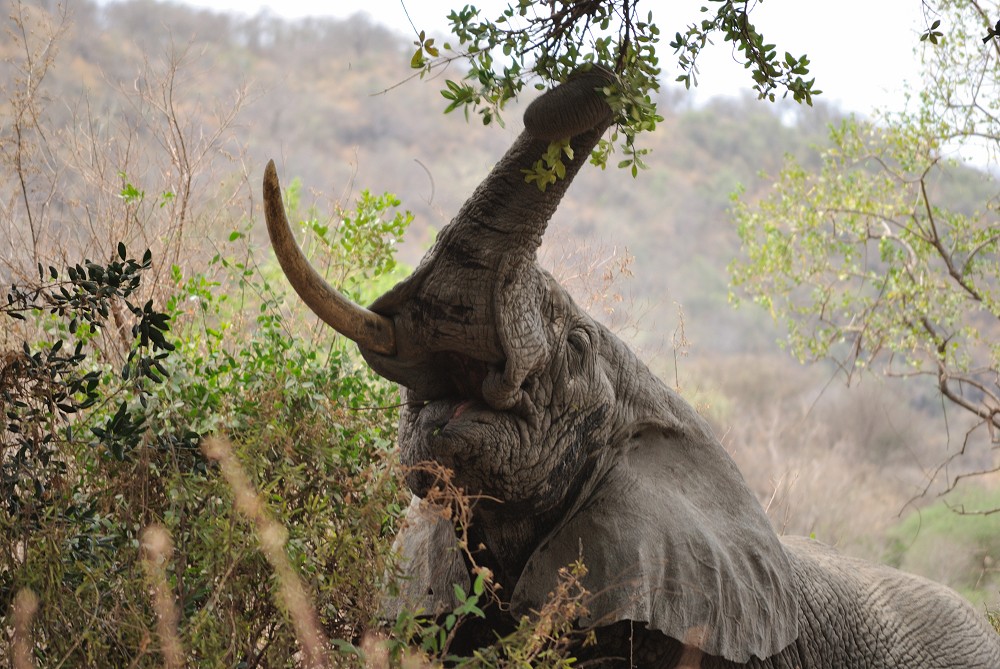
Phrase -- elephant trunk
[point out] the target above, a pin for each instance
(477, 294)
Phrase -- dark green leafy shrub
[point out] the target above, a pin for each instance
(95, 451)
(45, 386)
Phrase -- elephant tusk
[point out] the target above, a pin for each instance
(369, 330)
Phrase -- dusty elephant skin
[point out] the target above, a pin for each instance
(580, 451)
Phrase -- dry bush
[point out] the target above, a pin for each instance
(598, 275)
(852, 467)
(811, 484)
(138, 160)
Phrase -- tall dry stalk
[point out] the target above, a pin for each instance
(273, 536)
(25, 608)
(158, 549)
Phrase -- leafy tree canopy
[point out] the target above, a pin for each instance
(868, 260)
(541, 42)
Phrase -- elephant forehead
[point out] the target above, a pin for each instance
(483, 314)
(462, 325)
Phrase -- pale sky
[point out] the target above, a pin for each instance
(861, 50)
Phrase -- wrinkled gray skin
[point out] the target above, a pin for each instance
(579, 451)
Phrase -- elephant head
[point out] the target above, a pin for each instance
(575, 450)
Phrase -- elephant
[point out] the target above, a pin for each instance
(573, 449)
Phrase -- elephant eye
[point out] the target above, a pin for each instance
(577, 341)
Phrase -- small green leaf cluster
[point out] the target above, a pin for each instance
(425, 51)
(550, 167)
(433, 636)
(523, 43)
(547, 639)
(631, 101)
(932, 34)
(769, 73)
(134, 196)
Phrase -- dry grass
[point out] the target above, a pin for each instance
(157, 552)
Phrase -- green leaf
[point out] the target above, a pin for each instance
(459, 592)
(417, 60)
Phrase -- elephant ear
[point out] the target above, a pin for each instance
(672, 537)
(430, 564)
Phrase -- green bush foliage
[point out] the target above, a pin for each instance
(113, 507)
(95, 452)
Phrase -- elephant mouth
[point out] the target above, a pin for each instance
(467, 375)
(460, 388)
(439, 415)
(449, 375)
(460, 409)
(458, 395)
(488, 447)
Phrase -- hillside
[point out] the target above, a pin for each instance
(135, 84)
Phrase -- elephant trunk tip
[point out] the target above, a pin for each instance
(572, 108)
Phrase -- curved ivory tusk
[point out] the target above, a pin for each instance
(370, 330)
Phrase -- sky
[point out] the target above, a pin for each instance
(862, 51)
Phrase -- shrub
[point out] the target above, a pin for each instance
(95, 452)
